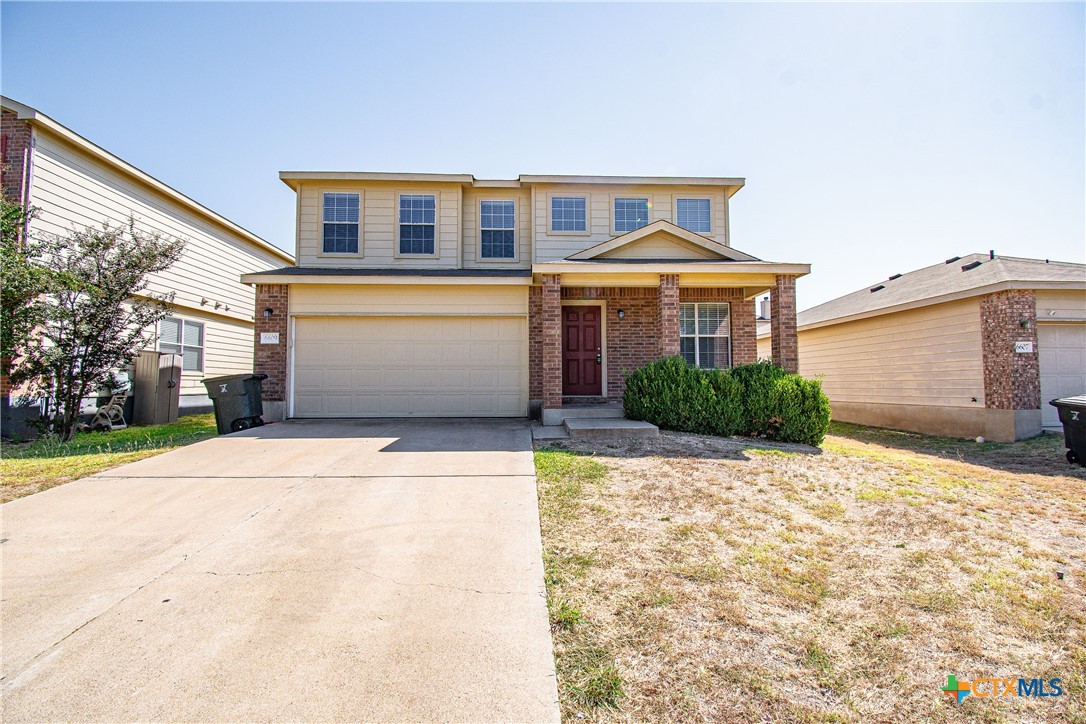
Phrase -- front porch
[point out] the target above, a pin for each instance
(590, 327)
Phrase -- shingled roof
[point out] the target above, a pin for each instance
(956, 278)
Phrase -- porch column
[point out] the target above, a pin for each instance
(667, 301)
(782, 314)
(552, 341)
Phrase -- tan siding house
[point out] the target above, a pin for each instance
(974, 346)
(447, 295)
(73, 184)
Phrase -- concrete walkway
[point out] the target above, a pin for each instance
(335, 570)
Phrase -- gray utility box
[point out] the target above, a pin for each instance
(156, 387)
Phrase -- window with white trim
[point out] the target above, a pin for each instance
(569, 213)
(497, 220)
(705, 334)
(418, 223)
(631, 214)
(693, 215)
(183, 337)
(340, 217)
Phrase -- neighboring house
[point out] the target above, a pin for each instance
(446, 295)
(74, 183)
(974, 346)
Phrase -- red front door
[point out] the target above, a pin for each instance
(582, 355)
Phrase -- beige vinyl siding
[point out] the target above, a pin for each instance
(379, 214)
(408, 299)
(1058, 304)
(228, 349)
(551, 247)
(70, 189)
(655, 247)
(471, 232)
(927, 356)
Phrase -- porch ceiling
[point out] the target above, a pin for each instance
(753, 278)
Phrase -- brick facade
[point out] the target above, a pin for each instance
(551, 339)
(271, 359)
(631, 341)
(14, 144)
(783, 332)
(1012, 380)
(744, 324)
(667, 297)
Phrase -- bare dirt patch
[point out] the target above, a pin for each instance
(693, 577)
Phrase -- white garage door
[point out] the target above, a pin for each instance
(1061, 349)
(410, 366)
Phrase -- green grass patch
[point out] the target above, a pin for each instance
(45, 463)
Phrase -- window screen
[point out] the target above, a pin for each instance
(418, 221)
(340, 218)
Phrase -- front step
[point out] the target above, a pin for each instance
(608, 411)
(602, 428)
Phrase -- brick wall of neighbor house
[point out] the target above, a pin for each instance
(271, 359)
(635, 340)
(1012, 380)
(15, 140)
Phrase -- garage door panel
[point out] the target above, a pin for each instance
(410, 366)
(1061, 352)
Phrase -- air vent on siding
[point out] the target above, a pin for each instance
(895, 276)
(973, 265)
(952, 259)
(875, 289)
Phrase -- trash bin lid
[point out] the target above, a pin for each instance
(1078, 401)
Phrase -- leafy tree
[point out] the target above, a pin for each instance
(23, 283)
(100, 319)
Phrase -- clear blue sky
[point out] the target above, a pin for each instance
(874, 138)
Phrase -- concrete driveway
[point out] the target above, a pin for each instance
(309, 570)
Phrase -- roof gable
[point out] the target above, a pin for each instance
(661, 240)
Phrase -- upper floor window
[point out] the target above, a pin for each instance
(705, 333)
(569, 213)
(693, 215)
(418, 222)
(183, 337)
(497, 221)
(631, 214)
(340, 223)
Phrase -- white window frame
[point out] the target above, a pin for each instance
(614, 212)
(181, 342)
(697, 335)
(437, 224)
(513, 228)
(587, 214)
(707, 199)
(323, 223)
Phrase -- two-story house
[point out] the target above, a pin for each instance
(446, 295)
(72, 183)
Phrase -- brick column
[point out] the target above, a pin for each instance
(1012, 380)
(782, 306)
(271, 359)
(551, 334)
(667, 301)
(744, 333)
(15, 144)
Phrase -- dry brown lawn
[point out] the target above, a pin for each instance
(699, 578)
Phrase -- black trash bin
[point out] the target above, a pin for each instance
(237, 401)
(1073, 416)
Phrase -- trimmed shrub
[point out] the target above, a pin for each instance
(757, 399)
(802, 409)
